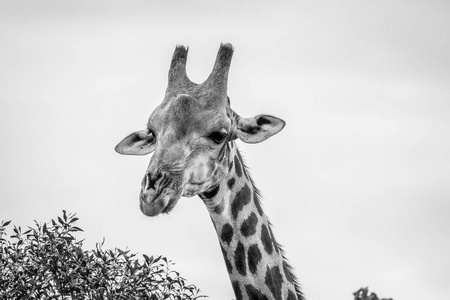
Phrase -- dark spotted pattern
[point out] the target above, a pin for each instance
(266, 240)
(248, 227)
(230, 166)
(242, 198)
(254, 294)
(239, 259)
(218, 209)
(257, 203)
(250, 129)
(243, 167)
(227, 233)
(254, 257)
(274, 281)
(237, 166)
(262, 121)
(291, 296)
(211, 193)
(275, 244)
(227, 261)
(287, 273)
(237, 290)
(225, 148)
(231, 182)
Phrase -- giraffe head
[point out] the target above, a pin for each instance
(189, 134)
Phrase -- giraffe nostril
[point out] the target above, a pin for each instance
(153, 181)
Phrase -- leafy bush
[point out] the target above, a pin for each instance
(48, 262)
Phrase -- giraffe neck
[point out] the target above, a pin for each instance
(254, 261)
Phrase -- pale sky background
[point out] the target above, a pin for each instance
(357, 186)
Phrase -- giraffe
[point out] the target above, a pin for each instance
(192, 136)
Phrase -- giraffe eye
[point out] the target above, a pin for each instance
(217, 137)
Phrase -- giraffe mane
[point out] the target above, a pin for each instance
(258, 197)
(290, 269)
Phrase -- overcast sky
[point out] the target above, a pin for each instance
(357, 185)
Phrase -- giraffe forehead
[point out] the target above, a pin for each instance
(186, 114)
(200, 98)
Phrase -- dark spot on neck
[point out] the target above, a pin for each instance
(231, 182)
(227, 233)
(254, 294)
(248, 227)
(237, 290)
(239, 259)
(274, 281)
(275, 244)
(227, 261)
(237, 166)
(257, 203)
(287, 272)
(254, 257)
(266, 239)
(242, 198)
(291, 296)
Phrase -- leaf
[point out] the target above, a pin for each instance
(6, 223)
(73, 220)
(123, 253)
(148, 260)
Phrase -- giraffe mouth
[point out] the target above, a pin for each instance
(157, 201)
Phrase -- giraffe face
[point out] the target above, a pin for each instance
(189, 136)
(189, 133)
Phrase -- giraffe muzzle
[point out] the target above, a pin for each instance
(158, 194)
(154, 181)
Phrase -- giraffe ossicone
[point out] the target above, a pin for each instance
(192, 136)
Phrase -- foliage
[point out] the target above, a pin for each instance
(362, 294)
(48, 262)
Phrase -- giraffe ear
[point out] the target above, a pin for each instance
(138, 143)
(259, 128)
